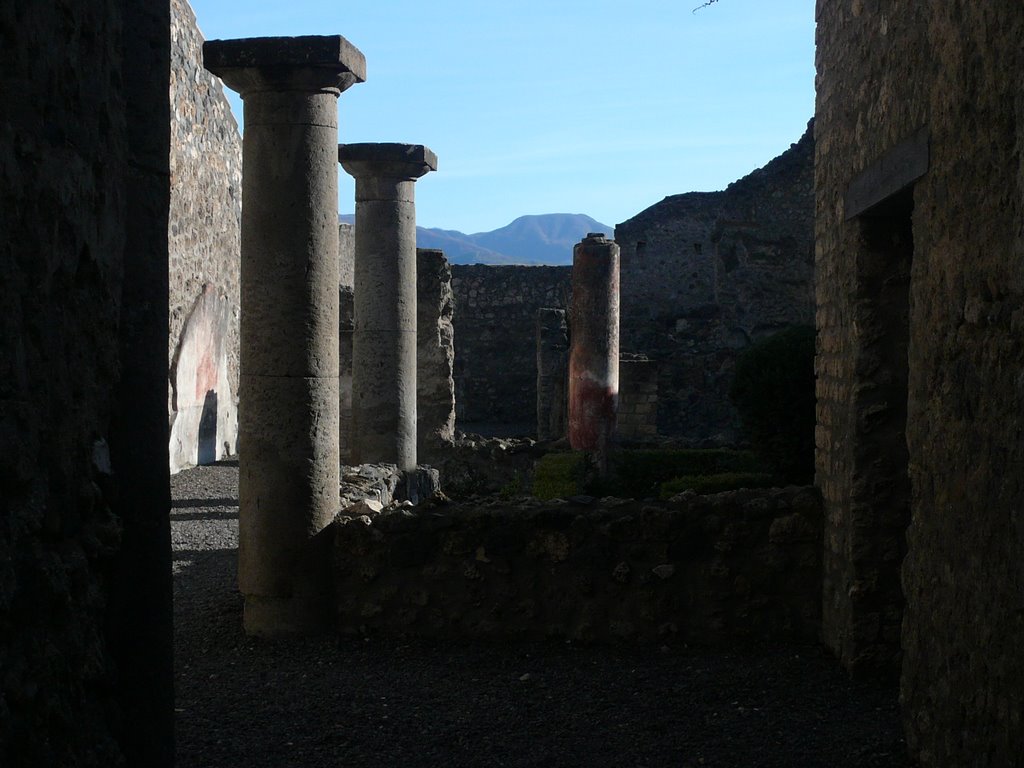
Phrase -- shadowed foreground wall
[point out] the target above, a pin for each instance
(956, 72)
(85, 614)
(714, 570)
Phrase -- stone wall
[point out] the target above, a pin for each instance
(920, 333)
(495, 341)
(721, 569)
(552, 373)
(84, 545)
(204, 225)
(435, 355)
(706, 273)
(637, 418)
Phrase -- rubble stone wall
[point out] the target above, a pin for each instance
(704, 274)
(637, 418)
(205, 251)
(954, 70)
(713, 570)
(435, 354)
(495, 340)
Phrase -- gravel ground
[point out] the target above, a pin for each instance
(359, 702)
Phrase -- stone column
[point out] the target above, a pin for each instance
(594, 346)
(288, 393)
(552, 354)
(384, 341)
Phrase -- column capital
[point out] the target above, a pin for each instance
(389, 160)
(308, 63)
(596, 239)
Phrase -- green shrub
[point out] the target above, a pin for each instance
(773, 390)
(726, 481)
(634, 473)
(639, 473)
(557, 475)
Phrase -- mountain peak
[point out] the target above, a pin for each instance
(545, 238)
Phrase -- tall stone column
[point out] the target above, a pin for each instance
(594, 346)
(384, 340)
(288, 392)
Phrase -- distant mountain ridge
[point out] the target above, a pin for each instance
(539, 239)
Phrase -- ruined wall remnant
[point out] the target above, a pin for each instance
(346, 326)
(920, 284)
(85, 600)
(552, 373)
(435, 354)
(715, 570)
(706, 273)
(346, 254)
(203, 268)
(495, 340)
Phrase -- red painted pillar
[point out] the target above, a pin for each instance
(594, 346)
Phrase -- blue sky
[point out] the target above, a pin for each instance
(534, 106)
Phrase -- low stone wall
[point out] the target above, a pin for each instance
(712, 570)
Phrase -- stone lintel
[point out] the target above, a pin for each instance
(313, 62)
(894, 171)
(403, 161)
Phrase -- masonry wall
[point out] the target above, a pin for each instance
(495, 341)
(205, 247)
(84, 545)
(637, 418)
(704, 274)
(956, 70)
(435, 355)
(713, 570)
